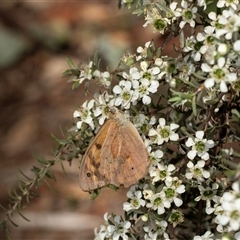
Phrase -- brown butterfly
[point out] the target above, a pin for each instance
(116, 156)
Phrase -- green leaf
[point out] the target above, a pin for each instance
(24, 174)
(23, 216)
(194, 108)
(162, 7)
(42, 160)
(35, 169)
(1, 206)
(236, 113)
(95, 193)
(43, 173)
(50, 174)
(75, 85)
(67, 73)
(70, 63)
(63, 168)
(13, 223)
(96, 59)
(49, 186)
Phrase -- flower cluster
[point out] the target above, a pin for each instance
(115, 231)
(188, 118)
(228, 211)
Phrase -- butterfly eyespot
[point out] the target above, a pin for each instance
(99, 146)
(89, 174)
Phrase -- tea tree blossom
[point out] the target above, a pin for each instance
(170, 100)
(162, 172)
(206, 236)
(103, 78)
(105, 101)
(218, 74)
(199, 146)
(86, 73)
(176, 217)
(196, 171)
(135, 200)
(172, 190)
(157, 202)
(230, 214)
(164, 133)
(117, 231)
(85, 114)
(208, 194)
(155, 157)
(156, 230)
(125, 94)
(188, 14)
(143, 51)
(195, 48)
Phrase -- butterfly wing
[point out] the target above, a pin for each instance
(116, 156)
(124, 158)
(90, 177)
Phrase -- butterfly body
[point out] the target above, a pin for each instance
(116, 156)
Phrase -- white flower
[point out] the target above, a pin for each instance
(163, 132)
(144, 89)
(230, 22)
(157, 201)
(86, 72)
(134, 74)
(154, 18)
(195, 47)
(172, 190)
(208, 194)
(207, 39)
(188, 15)
(156, 230)
(199, 146)
(197, 171)
(143, 51)
(147, 83)
(177, 12)
(102, 234)
(236, 46)
(227, 3)
(207, 236)
(136, 200)
(176, 217)
(103, 78)
(162, 172)
(114, 228)
(125, 94)
(102, 109)
(85, 114)
(218, 74)
(237, 235)
(120, 229)
(104, 230)
(155, 157)
(230, 214)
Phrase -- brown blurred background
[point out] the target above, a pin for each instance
(35, 39)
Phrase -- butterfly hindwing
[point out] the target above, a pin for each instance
(90, 177)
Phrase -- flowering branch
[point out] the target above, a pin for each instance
(187, 111)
